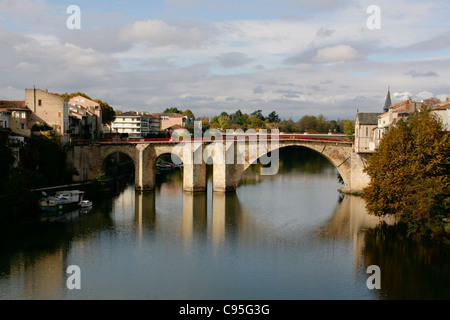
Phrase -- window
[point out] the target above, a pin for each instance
(24, 115)
(367, 131)
(39, 102)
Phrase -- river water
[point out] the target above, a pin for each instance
(288, 236)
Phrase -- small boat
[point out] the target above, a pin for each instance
(85, 203)
(63, 200)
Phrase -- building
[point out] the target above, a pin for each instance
(83, 124)
(396, 112)
(50, 109)
(92, 113)
(135, 124)
(14, 116)
(366, 124)
(167, 120)
(442, 109)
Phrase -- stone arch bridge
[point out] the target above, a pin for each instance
(230, 158)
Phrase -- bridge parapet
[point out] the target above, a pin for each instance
(230, 159)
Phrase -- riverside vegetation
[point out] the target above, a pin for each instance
(410, 176)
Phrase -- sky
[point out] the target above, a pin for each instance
(295, 57)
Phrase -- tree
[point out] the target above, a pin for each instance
(287, 126)
(255, 122)
(273, 117)
(258, 113)
(410, 176)
(173, 110)
(108, 113)
(189, 113)
(349, 128)
(238, 118)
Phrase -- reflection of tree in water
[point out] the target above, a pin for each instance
(410, 269)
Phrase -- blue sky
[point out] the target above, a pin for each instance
(296, 57)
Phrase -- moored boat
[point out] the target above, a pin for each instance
(85, 204)
(62, 200)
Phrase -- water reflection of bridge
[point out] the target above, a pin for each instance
(224, 216)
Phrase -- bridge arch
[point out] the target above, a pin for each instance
(339, 154)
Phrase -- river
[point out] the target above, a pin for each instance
(288, 236)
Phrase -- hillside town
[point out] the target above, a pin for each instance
(78, 118)
(81, 118)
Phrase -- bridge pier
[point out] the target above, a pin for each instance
(228, 158)
(145, 171)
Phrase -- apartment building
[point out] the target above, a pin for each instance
(167, 120)
(137, 124)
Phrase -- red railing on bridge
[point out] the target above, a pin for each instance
(246, 137)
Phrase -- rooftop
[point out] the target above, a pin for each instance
(134, 114)
(368, 117)
(173, 115)
(11, 105)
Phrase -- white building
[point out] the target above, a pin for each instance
(135, 124)
(443, 111)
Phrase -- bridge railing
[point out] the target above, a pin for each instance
(225, 137)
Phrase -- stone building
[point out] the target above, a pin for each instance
(366, 124)
(50, 109)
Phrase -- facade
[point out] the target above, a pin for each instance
(14, 116)
(167, 120)
(443, 111)
(82, 123)
(91, 113)
(366, 124)
(395, 113)
(135, 124)
(50, 109)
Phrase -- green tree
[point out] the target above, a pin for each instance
(258, 113)
(287, 126)
(108, 113)
(173, 110)
(410, 176)
(255, 122)
(238, 118)
(349, 128)
(224, 120)
(273, 117)
(189, 113)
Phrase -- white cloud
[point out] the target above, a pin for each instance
(338, 53)
(402, 95)
(157, 33)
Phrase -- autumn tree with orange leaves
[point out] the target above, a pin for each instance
(410, 176)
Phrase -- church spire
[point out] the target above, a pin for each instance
(388, 102)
